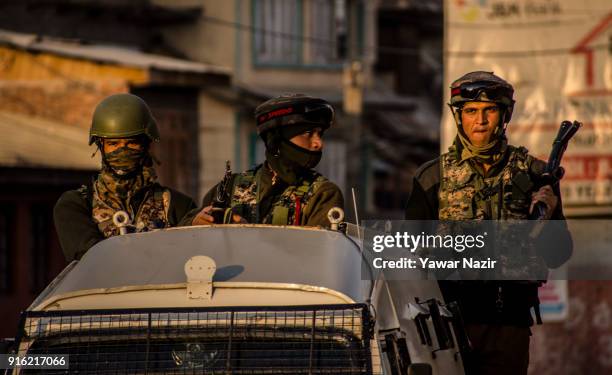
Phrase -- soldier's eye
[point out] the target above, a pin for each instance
(469, 111)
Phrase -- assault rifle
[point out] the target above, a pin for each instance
(221, 198)
(553, 173)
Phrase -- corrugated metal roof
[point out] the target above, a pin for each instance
(107, 53)
(37, 142)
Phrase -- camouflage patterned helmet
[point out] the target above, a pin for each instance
(123, 116)
(293, 109)
(482, 86)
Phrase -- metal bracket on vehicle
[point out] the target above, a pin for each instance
(200, 270)
(335, 215)
(121, 219)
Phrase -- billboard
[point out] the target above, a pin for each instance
(558, 56)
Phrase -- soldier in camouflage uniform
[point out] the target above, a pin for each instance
(482, 177)
(122, 128)
(284, 190)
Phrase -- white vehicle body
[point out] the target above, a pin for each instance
(225, 299)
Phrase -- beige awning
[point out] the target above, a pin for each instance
(107, 53)
(36, 142)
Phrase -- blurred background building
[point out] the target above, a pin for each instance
(203, 66)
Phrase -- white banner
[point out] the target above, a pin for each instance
(558, 56)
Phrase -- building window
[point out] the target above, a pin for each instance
(6, 219)
(328, 29)
(300, 32)
(277, 34)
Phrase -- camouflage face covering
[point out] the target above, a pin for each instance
(125, 161)
(112, 194)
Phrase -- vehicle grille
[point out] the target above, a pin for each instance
(236, 340)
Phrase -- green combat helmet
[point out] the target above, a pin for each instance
(123, 116)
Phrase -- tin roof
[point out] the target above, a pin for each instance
(107, 53)
(36, 142)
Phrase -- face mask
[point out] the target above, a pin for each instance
(290, 161)
(124, 162)
(300, 157)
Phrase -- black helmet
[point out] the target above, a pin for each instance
(293, 109)
(480, 86)
(123, 116)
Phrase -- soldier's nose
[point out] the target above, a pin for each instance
(482, 117)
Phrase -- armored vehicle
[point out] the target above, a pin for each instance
(234, 299)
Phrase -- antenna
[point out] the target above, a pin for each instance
(356, 213)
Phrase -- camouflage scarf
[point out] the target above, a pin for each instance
(490, 153)
(111, 194)
(126, 162)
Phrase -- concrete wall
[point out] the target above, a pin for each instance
(211, 38)
(217, 140)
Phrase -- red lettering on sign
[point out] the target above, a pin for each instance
(587, 167)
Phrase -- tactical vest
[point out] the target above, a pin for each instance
(466, 195)
(152, 213)
(286, 210)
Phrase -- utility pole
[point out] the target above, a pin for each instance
(353, 81)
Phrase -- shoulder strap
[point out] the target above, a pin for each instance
(86, 192)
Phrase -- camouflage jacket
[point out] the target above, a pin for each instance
(444, 188)
(465, 194)
(260, 198)
(151, 213)
(81, 221)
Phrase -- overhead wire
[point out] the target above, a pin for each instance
(389, 49)
(405, 51)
